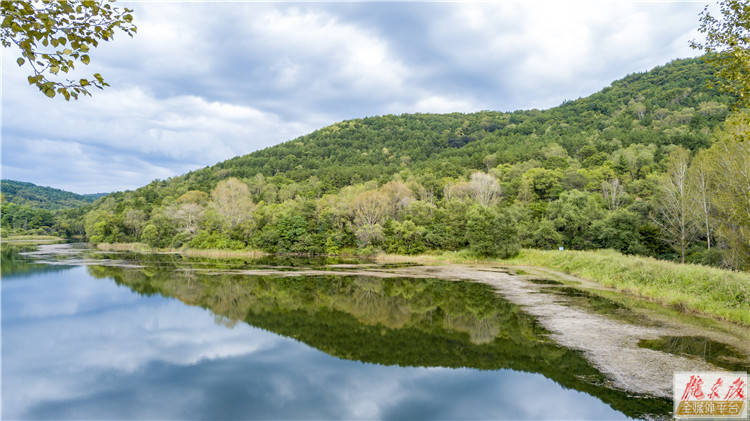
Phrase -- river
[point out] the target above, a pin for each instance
(91, 335)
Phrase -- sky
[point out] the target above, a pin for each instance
(202, 82)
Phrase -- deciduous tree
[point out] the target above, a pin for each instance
(231, 199)
(673, 204)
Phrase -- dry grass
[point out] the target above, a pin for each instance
(444, 258)
(30, 238)
(220, 254)
(134, 247)
(187, 252)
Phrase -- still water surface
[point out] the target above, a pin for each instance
(162, 342)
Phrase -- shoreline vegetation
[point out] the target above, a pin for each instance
(186, 252)
(689, 288)
(31, 239)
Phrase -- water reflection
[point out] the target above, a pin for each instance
(78, 347)
(14, 264)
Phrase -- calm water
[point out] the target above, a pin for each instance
(160, 342)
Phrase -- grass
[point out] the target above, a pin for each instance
(694, 288)
(187, 252)
(29, 238)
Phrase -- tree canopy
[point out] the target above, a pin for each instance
(728, 44)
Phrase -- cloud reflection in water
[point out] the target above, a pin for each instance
(75, 347)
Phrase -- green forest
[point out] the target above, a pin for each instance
(656, 164)
(31, 209)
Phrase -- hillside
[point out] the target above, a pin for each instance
(29, 194)
(590, 173)
(31, 209)
(667, 105)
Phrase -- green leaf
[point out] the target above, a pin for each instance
(84, 82)
(85, 59)
(50, 93)
(67, 51)
(20, 61)
(54, 69)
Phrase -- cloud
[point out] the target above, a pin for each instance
(202, 82)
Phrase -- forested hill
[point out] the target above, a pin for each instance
(670, 104)
(596, 172)
(29, 194)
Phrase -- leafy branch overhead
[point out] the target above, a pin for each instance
(54, 36)
(728, 46)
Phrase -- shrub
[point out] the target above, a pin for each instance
(215, 240)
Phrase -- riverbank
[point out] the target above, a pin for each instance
(717, 293)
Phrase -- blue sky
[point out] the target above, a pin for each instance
(203, 82)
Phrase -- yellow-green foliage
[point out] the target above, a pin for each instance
(711, 291)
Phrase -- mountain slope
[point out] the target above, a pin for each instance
(670, 104)
(586, 174)
(29, 194)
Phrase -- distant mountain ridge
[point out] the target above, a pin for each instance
(29, 194)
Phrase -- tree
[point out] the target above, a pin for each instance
(620, 230)
(702, 184)
(673, 203)
(730, 161)
(54, 36)
(491, 232)
(484, 188)
(187, 216)
(613, 193)
(728, 46)
(573, 215)
(134, 220)
(369, 209)
(546, 236)
(193, 196)
(151, 235)
(399, 196)
(542, 183)
(231, 199)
